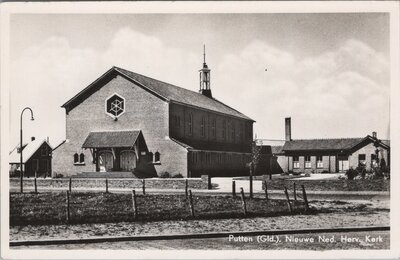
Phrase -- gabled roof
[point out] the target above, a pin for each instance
(163, 90)
(339, 144)
(28, 150)
(277, 149)
(107, 139)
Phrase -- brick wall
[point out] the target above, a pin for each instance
(368, 150)
(238, 132)
(144, 111)
(125, 183)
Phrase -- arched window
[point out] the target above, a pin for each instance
(157, 157)
(81, 158)
(76, 158)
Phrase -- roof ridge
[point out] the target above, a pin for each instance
(118, 68)
(163, 90)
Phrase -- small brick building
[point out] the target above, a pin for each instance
(127, 122)
(330, 155)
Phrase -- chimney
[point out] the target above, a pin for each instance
(374, 135)
(32, 138)
(288, 129)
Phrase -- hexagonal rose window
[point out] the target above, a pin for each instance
(115, 105)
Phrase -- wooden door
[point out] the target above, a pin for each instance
(106, 161)
(343, 165)
(128, 161)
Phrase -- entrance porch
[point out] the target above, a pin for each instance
(114, 151)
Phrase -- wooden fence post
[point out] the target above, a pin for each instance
(266, 189)
(144, 187)
(294, 191)
(233, 188)
(35, 182)
(134, 205)
(35, 174)
(191, 204)
(243, 201)
(68, 210)
(186, 187)
(305, 198)
(70, 185)
(251, 179)
(288, 200)
(106, 185)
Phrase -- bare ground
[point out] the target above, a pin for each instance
(359, 240)
(335, 214)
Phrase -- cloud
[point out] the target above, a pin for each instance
(343, 92)
(330, 95)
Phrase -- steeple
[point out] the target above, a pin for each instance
(205, 77)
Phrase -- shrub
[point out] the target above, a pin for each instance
(165, 175)
(377, 173)
(177, 176)
(14, 173)
(361, 170)
(59, 175)
(351, 174)
(325, 171)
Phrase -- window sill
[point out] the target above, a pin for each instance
(79, 164)
(154, 163)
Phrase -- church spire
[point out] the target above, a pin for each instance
(205, 77)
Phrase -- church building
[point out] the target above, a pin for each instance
(125, 124)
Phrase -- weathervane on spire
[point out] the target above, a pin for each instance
(204, 54)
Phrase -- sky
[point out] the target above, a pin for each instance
(329, 72)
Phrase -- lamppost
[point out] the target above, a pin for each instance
(20, 149)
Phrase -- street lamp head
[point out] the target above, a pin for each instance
(32, 118)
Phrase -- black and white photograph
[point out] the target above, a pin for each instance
(233, 130)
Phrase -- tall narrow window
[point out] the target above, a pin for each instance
(81, 158)
(320, 164)
(241, 132)
(224, 129)
(374, 162)
(307, 159)
(296, 163)
(249, 133)
(213, 127)
(190, 123)
(202, 126)
(361, 160)
(233, 132)
(157, 157)
(76, 158)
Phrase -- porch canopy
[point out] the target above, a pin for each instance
(111, 139)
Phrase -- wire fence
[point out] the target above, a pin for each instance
(89, 207)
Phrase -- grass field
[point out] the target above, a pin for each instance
(50, 208)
